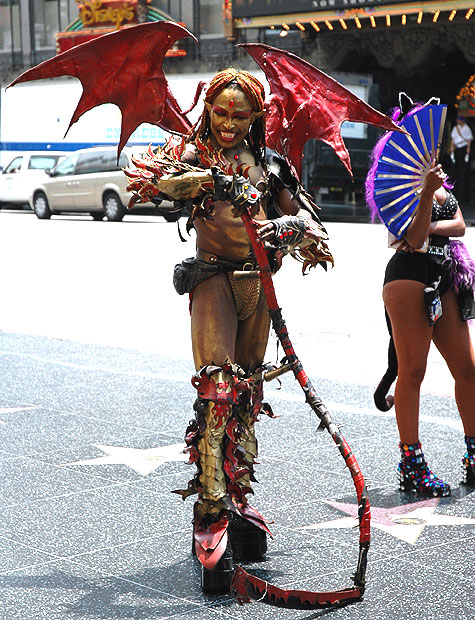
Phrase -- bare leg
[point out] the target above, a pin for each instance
(412, 334)
(213, 322)
(452, 338)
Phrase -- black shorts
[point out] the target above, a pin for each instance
(418, 267)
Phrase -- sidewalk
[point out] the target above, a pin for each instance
(90, 449)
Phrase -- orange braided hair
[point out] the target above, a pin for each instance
(253, 90)
(251, 86)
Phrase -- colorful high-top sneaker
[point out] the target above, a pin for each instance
(415, 475)
(468, 462)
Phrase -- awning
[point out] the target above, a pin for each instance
(368, 16)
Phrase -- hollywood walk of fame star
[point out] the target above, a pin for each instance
(15, 409)
(404, 522)
(4, 410)
(143, 461)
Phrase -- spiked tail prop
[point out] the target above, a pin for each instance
(247, 588)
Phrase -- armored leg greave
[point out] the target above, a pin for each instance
(213, 418)
(248, 540)
(222, 443)
(248, 447)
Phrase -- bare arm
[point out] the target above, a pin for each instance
(288, 205)
(454, 227)
(419, 228)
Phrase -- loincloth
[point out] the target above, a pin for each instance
(246, 293)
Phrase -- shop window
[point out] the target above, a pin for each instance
(45, 23)
(10, 39)
(211, 18)
(172, 7)
(187, 14)
(179, 10)
(65, 14)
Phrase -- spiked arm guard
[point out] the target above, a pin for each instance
(289, 232)
(303, 238)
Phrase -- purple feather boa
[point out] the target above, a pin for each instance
(461, 265)
(369, 183)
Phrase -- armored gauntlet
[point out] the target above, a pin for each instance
(237, 190)
(289, 231)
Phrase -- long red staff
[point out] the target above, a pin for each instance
(247, 587)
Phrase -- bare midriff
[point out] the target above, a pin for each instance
(225, 235)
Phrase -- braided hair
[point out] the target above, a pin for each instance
(254, 91)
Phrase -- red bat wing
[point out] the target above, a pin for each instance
(124, 68)
(315, 104)
(173, 119)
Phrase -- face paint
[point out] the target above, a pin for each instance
(231, 115)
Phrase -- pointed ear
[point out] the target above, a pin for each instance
(208, 106)
(258, 114)
(405, 103)
(433, 101)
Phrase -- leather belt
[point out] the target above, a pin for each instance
(215, 259)
(437, 250)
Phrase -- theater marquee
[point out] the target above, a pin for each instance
(254, 8)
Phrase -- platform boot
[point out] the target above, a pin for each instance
(249, 542)
(468, 462)
(415, 475)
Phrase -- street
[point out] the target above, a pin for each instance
(96, 365)
(111, 284)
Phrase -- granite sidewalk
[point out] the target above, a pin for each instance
(90, 449)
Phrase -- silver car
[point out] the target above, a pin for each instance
(89, 181)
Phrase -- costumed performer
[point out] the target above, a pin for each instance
(222, 171)
(428, 296)
(229, 315)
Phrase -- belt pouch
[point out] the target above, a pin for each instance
(190, 272)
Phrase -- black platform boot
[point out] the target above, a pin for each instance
(468, 462)
(415, 475)
(218, 580)
(248, 541)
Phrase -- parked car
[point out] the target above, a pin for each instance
(23, 174)
(90, 181)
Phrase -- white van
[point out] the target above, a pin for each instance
(24, 172)
(90, 181)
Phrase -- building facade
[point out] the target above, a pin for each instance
(425, 48)
(28, 28)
